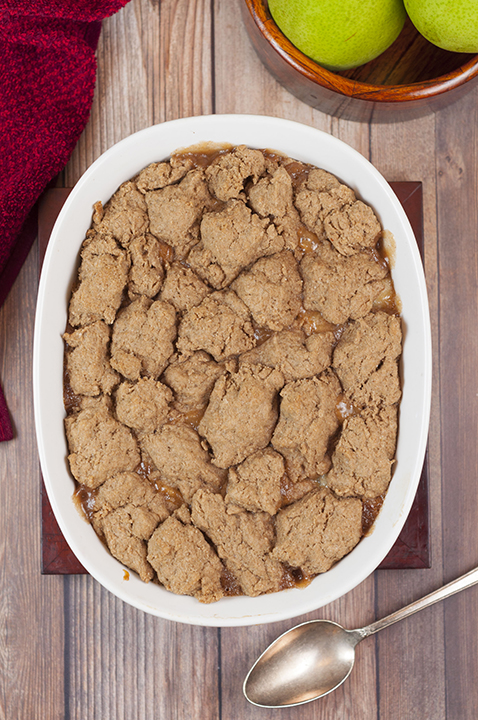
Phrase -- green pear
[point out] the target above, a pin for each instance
(339, 34)
(450, 24)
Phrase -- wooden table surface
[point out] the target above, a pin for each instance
(68, 648)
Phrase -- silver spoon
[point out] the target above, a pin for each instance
(314, 658)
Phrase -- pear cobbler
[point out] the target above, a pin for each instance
(231, 372)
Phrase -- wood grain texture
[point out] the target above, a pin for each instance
(31, 607)
(124, 664)
(457, 177)
(69, 649)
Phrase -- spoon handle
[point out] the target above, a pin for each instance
(455, 586)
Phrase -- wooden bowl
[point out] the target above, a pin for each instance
(410, 79)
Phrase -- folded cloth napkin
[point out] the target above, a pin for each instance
(48, 70)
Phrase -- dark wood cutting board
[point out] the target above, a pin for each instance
(412, 548)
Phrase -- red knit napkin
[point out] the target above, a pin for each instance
(48, 71)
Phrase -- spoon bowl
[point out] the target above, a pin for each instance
(306, 662)
(314, 658)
